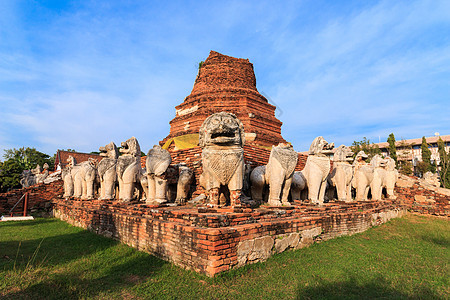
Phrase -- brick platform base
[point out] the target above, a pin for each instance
(211, 241)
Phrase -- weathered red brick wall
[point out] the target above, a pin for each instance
(40, 196)
(419, 197)
(211, 241)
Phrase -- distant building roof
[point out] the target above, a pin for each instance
(62, 156)
(413, 142)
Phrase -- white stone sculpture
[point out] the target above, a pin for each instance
(67, 175)
(298, 185)
(128, 169)
(41, 175)
(432, 179)
(342, 173)
(158, 160)
(379, 176)
(84, 179)
(107, 171)
(222, 139)
(390, 178)
(317, 168)
(362, 176)
(277, 174)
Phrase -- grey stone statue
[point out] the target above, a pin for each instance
(342, 173)
(277, 174)
(107, 171)
(158, 160)
(222, 139)
(185, 178)
(298, 185)
(128, 169)
(317, 168)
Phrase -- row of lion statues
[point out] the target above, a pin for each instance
(225, 177)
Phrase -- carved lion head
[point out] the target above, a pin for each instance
(343, 154)
(222, 129)
(71, 161)
(378, 162)
(131, 147)
(109, 151)
(320, 146)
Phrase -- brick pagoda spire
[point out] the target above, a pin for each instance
(225, 83)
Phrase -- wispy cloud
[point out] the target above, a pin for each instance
(82, 74)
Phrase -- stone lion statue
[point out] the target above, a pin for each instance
(84, 178)
(317, 168)
(391, 177)
(379, 176)
(107, 171)
(222, 140)
(278, 174)
(158, 160)
(342, 173)
(129, 169)
(68, 176)
(362, 176)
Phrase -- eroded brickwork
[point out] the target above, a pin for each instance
(211, 241)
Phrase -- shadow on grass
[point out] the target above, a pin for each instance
(70, 285)
(437, 241)
(54, 250)
(378, 288)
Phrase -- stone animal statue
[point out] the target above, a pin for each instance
(27, 178)
(317, 168)
(68, 176)
(277, 174)
(107, 171)
(40, 177)
(158, 160)
(185, 178)
(379, 176)
(84, 179)
(222, 138)
(128, 169)
(362, 176)
(342, 173)
(298, 185)
(432, 179)
(391, 178)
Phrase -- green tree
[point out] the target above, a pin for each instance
(365, 145)
(426, 157)
(392, 148)
(444, 164)
(18, 160)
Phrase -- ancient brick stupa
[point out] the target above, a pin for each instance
(225, 83)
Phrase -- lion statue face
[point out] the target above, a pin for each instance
(320, 146)
(390, 164)
(378, 162)
(223, 129)
(343, 154)
(131, 147)
(71, 161)
(109, 151)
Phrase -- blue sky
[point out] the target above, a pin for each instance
(79, 74)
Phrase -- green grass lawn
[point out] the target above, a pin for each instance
(405, 258)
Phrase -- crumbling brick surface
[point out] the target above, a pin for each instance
(211, 241)
(40, 196)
